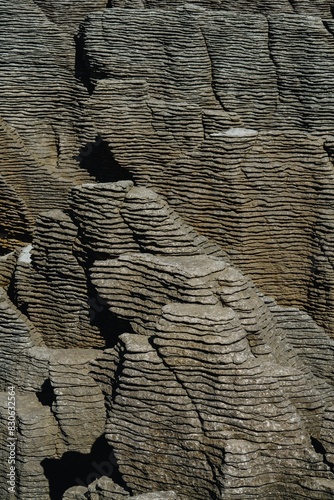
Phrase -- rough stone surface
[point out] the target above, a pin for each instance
(166, 249)
(228, 103)
(39, 107)
(205, 389)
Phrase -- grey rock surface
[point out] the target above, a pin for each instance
(246, 113)
(166, 249)
(203, 387)
(318, 7)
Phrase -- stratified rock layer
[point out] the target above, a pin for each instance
(168, 335)
(219, 108)
(38, 112)
(321, 8)
(204, 388)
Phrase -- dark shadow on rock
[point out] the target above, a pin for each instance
(79, 469)
(81, 61)
(12, 239)
(319, 448)
(46, 395)
(83, 70)
(98, 160)
(110, 326)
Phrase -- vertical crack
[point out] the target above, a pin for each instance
(212, 76)
(275, 65)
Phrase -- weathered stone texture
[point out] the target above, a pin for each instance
(208, 393)
(53, 281)
(166, 248)
(321, 8)
(226, 103)
(68, 15)
(179, 303)
(38, 111)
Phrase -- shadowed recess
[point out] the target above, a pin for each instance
(98, 160)
(78, 469)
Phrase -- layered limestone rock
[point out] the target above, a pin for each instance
(214, 96)
(59, 408)
(228, 107)
(68, 15)
(157, 284)
(201, 387)
(38, 112)
(249, 66)
(166, 249)
(319, 7)
(105, 488)
(52, 280)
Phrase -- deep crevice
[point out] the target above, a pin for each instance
(46, 395)
(215, 94)
(81, 62)
(75, 469)
(82, 66)
(109, 324)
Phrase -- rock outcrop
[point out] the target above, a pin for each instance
(223, 103)
(202, 386)
(166, 249)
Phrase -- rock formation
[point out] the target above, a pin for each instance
(166, 249)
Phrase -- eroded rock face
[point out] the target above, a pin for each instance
(319, 7)
(203, 387)
(38, 111)
(214, 96)
(166, 274)
(229, 107)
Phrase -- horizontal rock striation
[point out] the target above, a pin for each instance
(68, 15)
(51, 279)
(216, 102)
(206, 388)
(166, 249)
(106, 489)
(241, 62)
(38, 111)
(56, 402)
(38, 85)
(207, 391)
(321, 8)
(178, 304)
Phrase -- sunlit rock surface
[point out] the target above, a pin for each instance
(166, 248)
